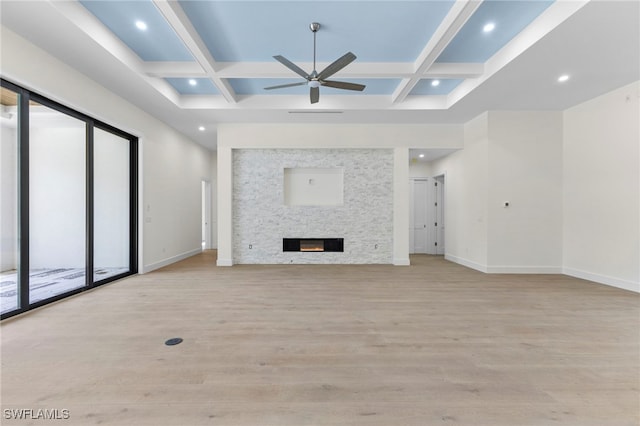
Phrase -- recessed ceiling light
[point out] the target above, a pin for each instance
(141, 25)
(563, 78)
(435, 83)
(201, 128)
(192, 82)
(490, 26)
(421, 155)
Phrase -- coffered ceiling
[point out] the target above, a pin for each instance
(195, 64)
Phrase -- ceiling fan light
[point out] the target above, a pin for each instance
(314, 83)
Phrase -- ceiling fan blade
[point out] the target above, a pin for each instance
(314, 94)
(337, 65)
(281, 86)
(343, 85)
(293, 67)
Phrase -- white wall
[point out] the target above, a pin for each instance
(513, 157)
(466, 187)
(401, 206)
(420, 169)
(214, 200)
(172, 204)
(326, 136)
(225, 204)
(172, 166)
(601, 233)
(525, 170)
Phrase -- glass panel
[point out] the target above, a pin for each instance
(111, 204)
(57, 200)
(9, 248)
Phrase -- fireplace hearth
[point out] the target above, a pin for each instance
(313, 244)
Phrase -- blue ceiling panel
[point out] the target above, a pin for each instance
(426, 87)
(253, 31)
(376, 31)
(255, 86)
(158, 42)
(510, 17)
(202, 86)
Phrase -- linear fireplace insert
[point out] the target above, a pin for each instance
(313, 244)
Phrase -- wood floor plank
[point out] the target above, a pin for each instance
(432, 343)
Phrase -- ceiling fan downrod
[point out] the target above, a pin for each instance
(314, 27)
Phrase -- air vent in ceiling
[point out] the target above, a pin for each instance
(315, 112)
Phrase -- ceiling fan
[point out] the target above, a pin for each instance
(315, 79)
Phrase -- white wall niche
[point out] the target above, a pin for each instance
(313, 186)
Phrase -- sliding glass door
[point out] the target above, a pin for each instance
(9, 236)
(57, 203)
(69, 201)
(111, 224)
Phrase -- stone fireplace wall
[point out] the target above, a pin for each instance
(261, 219)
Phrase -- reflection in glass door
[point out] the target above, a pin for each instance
(9, 248)
(111, 219)
(57, 203)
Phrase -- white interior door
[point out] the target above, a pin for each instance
(419, 216)
(206, 215)
(439, 205)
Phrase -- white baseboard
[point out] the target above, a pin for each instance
(401, 261)
(600, 279)
(504, 269)
(465, 262)
(524, 270)
(224, 262)
(603, 279)
(156, 265)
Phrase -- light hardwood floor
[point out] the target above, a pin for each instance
(430, 344)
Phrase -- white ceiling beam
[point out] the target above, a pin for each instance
(277, 70)
(327, 102)
(178, 20)
(454, 70)
(173, 69)
(460, 12)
